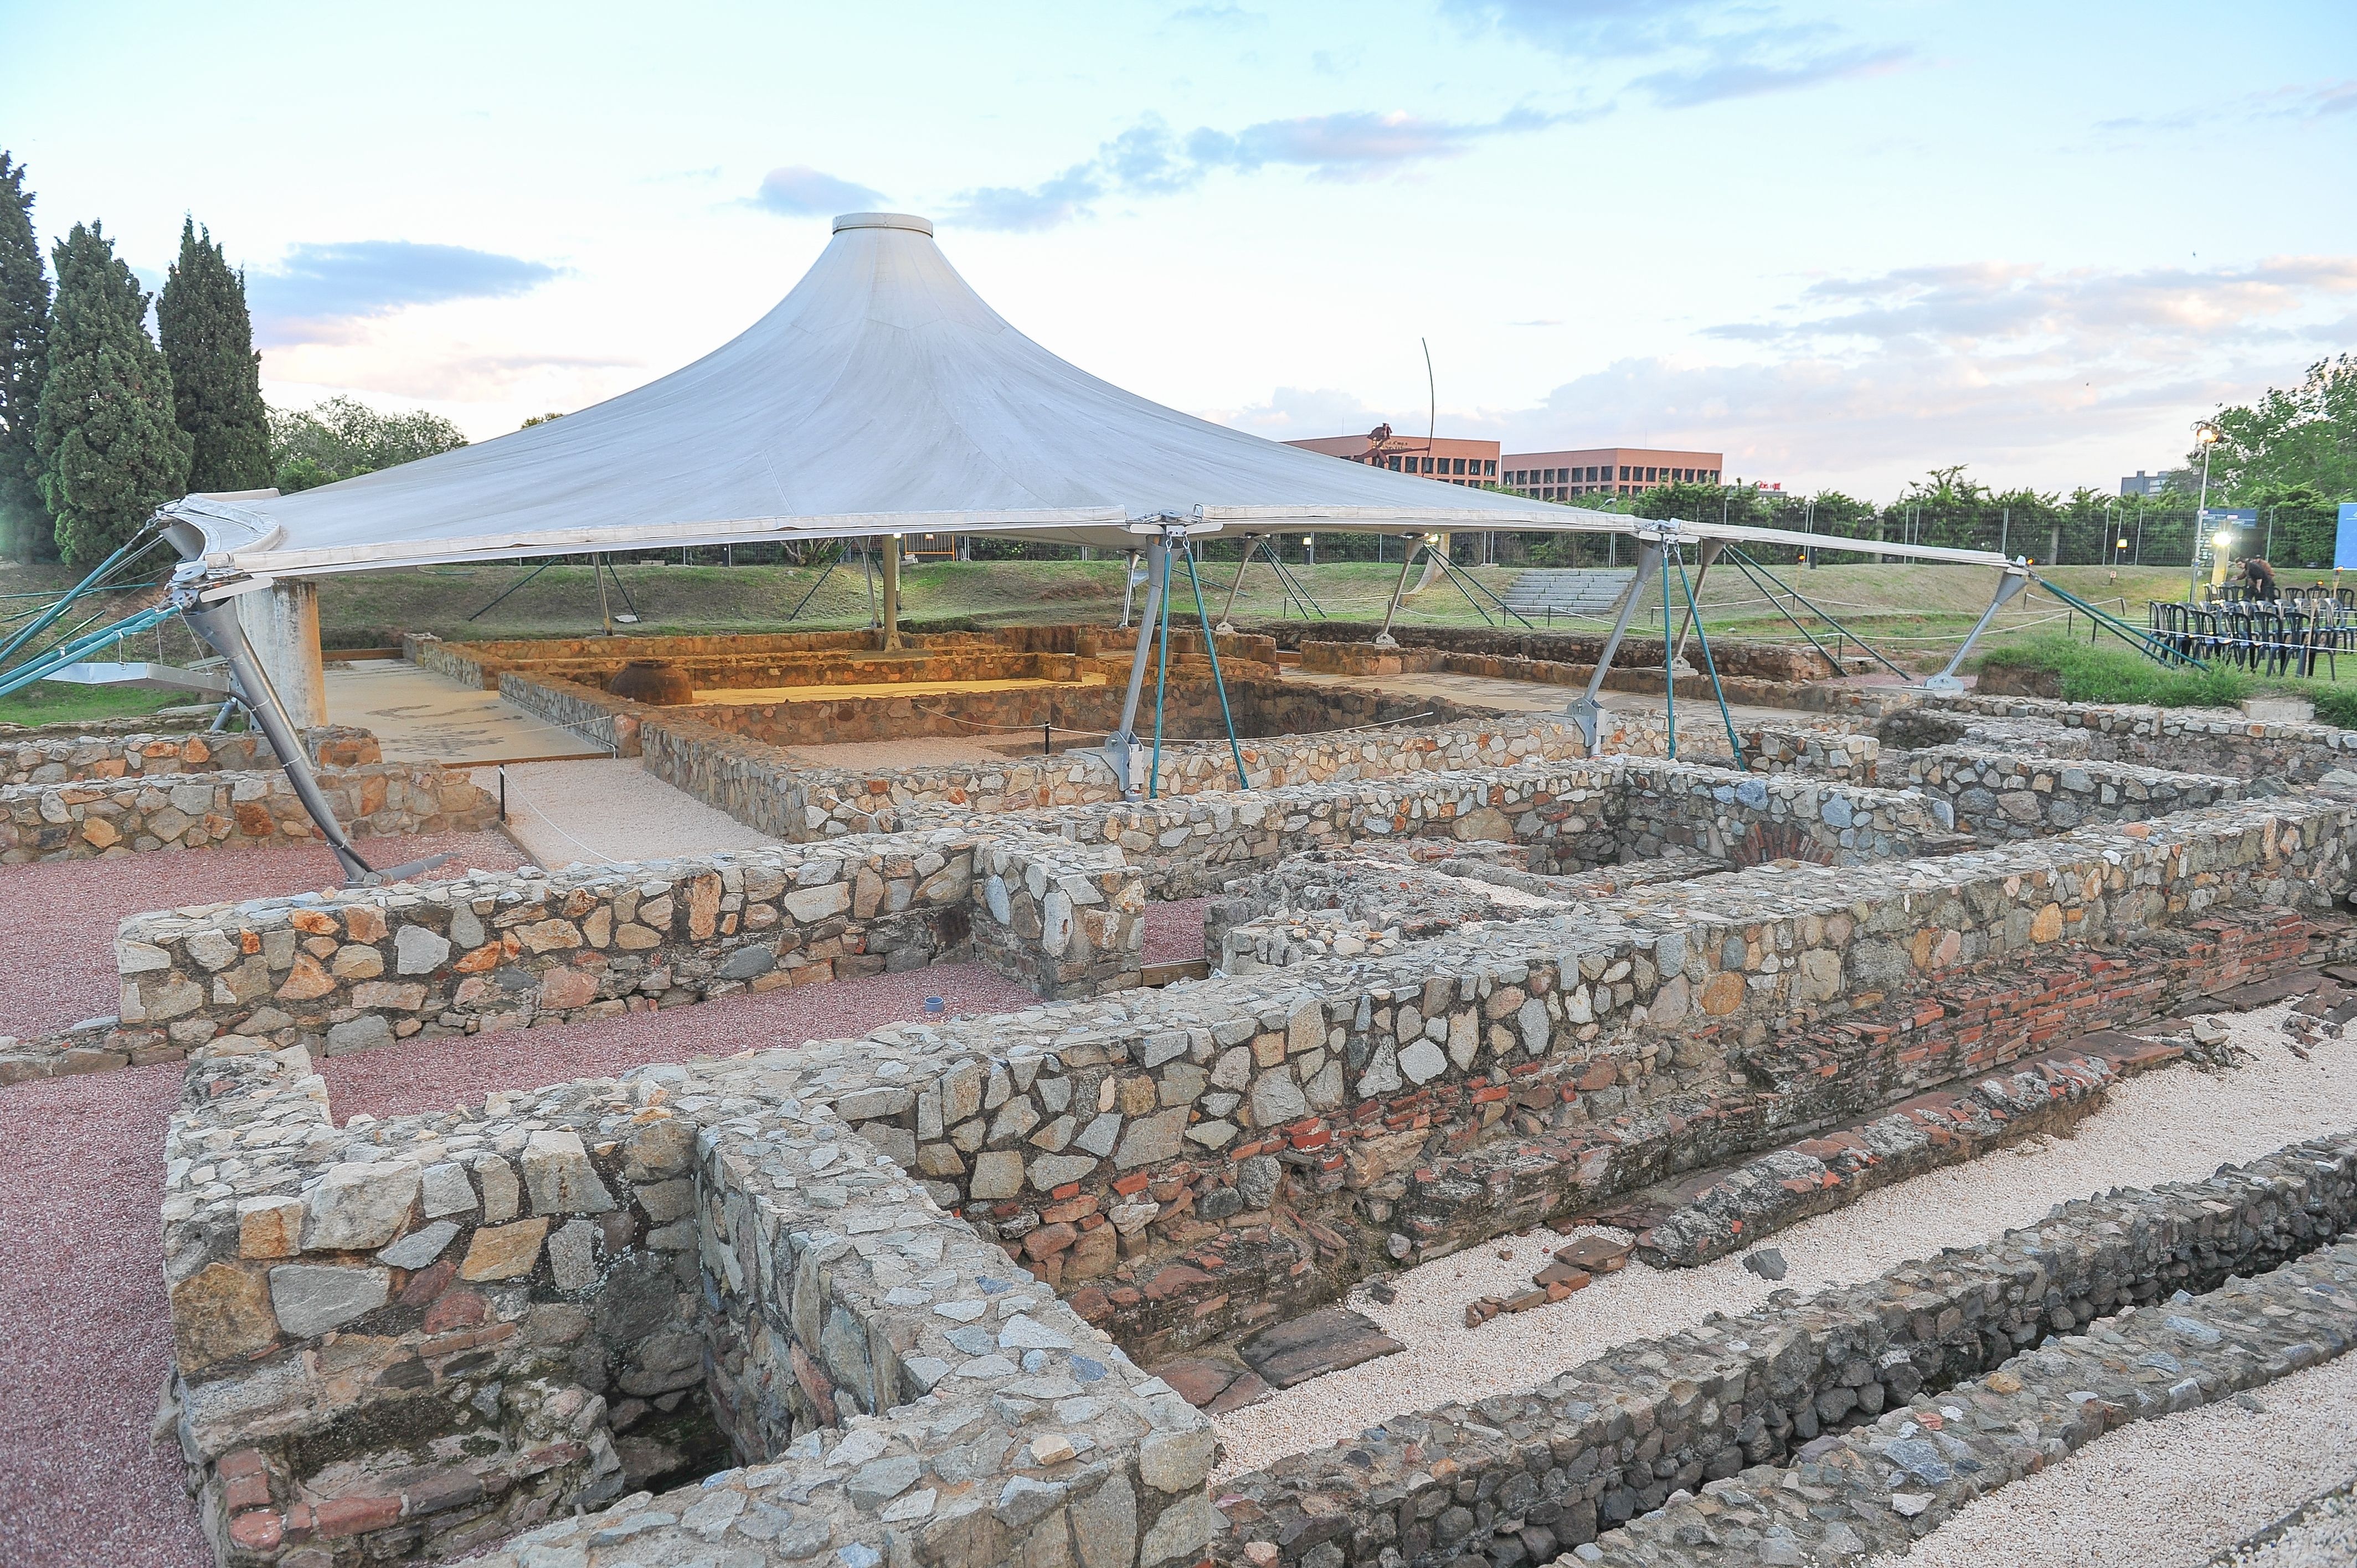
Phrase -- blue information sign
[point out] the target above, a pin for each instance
(2224, 516)
(2344, 543)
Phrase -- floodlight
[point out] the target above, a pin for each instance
(2222, 538)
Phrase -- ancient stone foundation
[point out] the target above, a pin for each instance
(899, 1298)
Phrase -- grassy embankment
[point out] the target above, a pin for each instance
(1914, 614)
(2111, 671)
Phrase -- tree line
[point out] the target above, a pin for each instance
(101, 422)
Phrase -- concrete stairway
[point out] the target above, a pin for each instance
(1538, 592)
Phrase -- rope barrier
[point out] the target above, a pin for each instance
(505, 782)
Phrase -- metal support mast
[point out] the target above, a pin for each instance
(1584, 710)
(2015, 579)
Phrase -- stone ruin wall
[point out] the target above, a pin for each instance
(1311, 1128)
(403, 1340)
(481, 663)
(141, 813)
(58, 759)
(1669, 1029)
(1997, 797)
(1533, 1474)
(361, 966)
(375, 1361)
(1062, 914)
(765, 788)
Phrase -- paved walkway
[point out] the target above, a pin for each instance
(419, 717)
(609, 809)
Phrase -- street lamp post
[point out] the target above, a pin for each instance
(2206, 435)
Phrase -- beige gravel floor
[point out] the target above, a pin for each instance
(2167, 1493)
(609, 809)
(2176, 1124)
(419, 717)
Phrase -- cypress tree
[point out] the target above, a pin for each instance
(24, 348)
(207, 340)
(108, 450)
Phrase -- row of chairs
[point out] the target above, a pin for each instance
(2307, 598)
(2280, 636)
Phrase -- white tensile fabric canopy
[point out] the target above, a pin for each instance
(880, 396)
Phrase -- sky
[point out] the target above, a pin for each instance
(1841, 245)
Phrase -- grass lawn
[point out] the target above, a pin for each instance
(53, 702)
(2111, 671)
(1914, 614)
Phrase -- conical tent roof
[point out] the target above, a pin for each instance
(881, 395)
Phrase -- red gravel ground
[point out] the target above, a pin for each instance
(401, 1080)
(57, 917)
(1174, 932)
(85, 1333)
(396, 1080)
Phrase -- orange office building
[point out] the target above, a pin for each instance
(1456, 462)
(1604, 471)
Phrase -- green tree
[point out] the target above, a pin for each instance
(108, 450)
(24, 350)
(207, 340)
(343, 436)
(2307, 436)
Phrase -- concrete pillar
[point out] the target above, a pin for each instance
(282, 624)
(892, 592)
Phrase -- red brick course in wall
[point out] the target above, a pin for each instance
(1325, 1229)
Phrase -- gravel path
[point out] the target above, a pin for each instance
(2173, 1491)
(2322, 1535)
(85, 1333)
(399, 1079)
(609, 809)
(2176, 1124)
(57, 917)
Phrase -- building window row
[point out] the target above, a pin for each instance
(1475, 469)
(1536, 478)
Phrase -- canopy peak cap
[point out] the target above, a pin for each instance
(907, 220)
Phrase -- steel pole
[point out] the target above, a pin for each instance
(1383, 638)
(1252, 543)
(1124, 735)
(1584, 710)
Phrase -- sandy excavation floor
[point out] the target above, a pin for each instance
(2170, 1492)
(609, 809)
(2176, 1124)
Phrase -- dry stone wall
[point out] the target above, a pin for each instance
(2005, 797)
(55, 760)
(137, 812)
(1489, 1080)
(1880, 1489)
(763, 786)
(1571, 815)
(362, 967)
(2178, 738)
(1520, 1477)
(405, 1340)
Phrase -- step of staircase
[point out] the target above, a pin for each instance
(1569, 590)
